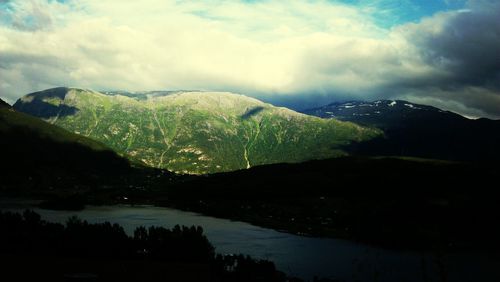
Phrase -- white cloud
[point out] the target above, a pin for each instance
(229, 45)
(263, 48)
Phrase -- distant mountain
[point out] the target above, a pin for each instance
(382, 113)
(418, 130)
(38, 156)
(192, 131)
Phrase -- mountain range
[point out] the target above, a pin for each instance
(199, 132)
(194, 132)
(418, 130)
(384, 200)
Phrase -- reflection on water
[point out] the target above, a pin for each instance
(299, 256)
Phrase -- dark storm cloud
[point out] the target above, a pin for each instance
(461, 50)
(467, 47)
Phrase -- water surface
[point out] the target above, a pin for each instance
(299, 256)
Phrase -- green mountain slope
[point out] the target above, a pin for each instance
(194, 132)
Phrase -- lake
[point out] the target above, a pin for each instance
(304, 257)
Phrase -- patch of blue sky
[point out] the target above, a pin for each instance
(388, 13)
(5, 11)
(5, 5)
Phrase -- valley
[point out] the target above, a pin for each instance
(221, 131)
(393, 202)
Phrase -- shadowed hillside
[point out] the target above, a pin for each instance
(3, 103)
(410, 203)
(37, 156)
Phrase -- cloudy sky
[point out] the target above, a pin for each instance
(296, 53)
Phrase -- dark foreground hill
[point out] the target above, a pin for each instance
(410, 203)
(37, 156)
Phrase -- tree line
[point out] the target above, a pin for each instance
(27, 234)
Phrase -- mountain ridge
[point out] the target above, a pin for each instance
(193, 131)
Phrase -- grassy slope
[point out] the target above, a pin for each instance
(198, 132)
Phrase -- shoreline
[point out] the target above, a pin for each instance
(252, 220)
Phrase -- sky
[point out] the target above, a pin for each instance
(301, 53)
